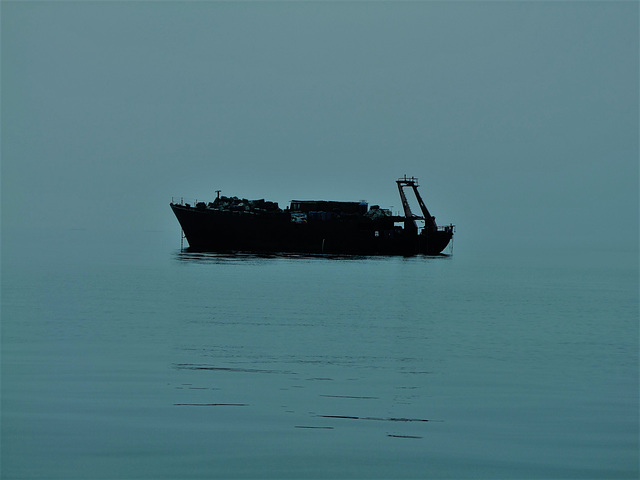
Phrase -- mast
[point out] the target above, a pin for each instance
(410, 218)
(429, 221)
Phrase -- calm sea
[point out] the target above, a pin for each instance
(125, 358)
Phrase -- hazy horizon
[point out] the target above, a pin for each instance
(519, 118)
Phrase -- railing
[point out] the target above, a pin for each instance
(408, 180)
(184, 201)
(445, 228)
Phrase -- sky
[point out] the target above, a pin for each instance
(519, 118)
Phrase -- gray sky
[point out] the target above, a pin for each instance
(519, 118)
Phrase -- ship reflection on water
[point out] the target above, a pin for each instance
(189, 255)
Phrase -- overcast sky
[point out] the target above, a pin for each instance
(519, 118)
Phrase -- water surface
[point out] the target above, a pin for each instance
(127, 362)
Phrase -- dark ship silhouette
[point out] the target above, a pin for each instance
(311, 226)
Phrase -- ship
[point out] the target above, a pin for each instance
(232, 224)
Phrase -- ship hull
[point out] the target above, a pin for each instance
(274, 232)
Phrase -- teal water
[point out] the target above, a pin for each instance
(148, 363)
